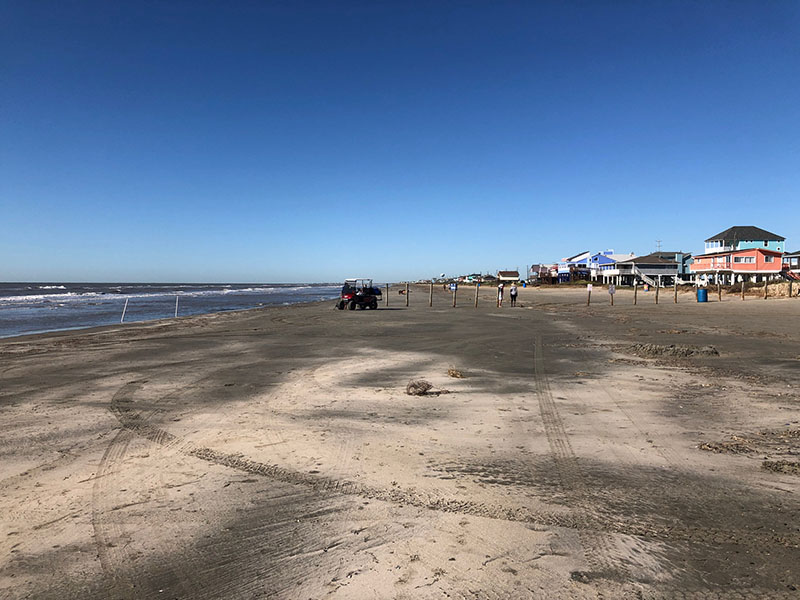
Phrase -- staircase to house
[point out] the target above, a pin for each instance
(646, 278)
(790, 276)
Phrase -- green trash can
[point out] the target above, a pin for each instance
(702, 295)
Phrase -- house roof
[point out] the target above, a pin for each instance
(664, 254)
(508, 273)
(793, 254)
(585, 254)
(650, 259)
(615, 257)
(745, 232)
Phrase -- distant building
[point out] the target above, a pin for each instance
(791, 264)
(508, 276)
(651, 269)
(684, 260)
(741, 252)
(542, 273)
(574, 267)
(597, 261)
(744, 237)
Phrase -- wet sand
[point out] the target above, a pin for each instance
(274, 452)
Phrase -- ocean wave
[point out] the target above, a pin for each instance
(269, 289)
(114, 295)
(39, 297)
(52, 287)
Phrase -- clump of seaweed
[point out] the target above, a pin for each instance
(782, 466)
(453, 372)
(736, 445)
(673, 350)
(418, 387)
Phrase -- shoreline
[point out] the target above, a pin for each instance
(111, 326)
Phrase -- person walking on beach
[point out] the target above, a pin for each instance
(499, 295)
(513, 293)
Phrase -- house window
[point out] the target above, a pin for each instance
(768, 258)
(766, 244)
(744, 259)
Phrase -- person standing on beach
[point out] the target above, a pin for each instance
(499, 295)
(513, 293)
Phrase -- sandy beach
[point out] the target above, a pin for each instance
(646, 451)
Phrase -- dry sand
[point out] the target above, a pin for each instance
(275, 454)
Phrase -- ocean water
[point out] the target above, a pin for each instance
(40, 307)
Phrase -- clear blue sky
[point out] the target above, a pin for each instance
(309, 141)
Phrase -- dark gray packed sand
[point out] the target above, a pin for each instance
(561, 451)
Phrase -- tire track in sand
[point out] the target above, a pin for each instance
(596, 548)
(111, 539)
(591, 530)
(124, 408)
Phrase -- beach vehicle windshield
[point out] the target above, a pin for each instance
(357, 283)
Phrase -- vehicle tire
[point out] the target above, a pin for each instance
(373, 305)
(361, 307)
(340, 305)
(351, 305)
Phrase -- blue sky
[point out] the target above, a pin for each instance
(309, 141)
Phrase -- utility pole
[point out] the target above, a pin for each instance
(658, 245)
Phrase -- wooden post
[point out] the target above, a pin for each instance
(635, 291)
(124, 308)
(719, 290)
(387, 294)
(658, 287)
(430, 295)
(477, 287)
(790, 289)
(589, 297)
(675, 297)
(743, 278)
(612, 299)
(766, 283)
(176, 307)
(406, 294)
(455, 291)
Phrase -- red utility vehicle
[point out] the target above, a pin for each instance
(358, 292)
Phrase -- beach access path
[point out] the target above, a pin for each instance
(565, 451)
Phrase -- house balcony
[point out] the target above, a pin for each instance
(718, 249)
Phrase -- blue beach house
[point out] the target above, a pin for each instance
(601, 260)
(574, 267)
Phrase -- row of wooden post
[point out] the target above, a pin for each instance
(588, 299)
(675, 292)
(430, 295)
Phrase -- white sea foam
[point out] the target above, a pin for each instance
(115, 296)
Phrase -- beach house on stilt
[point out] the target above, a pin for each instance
(651, 269)
(743, 252)
(791, 264)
